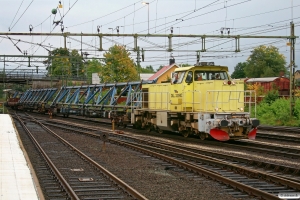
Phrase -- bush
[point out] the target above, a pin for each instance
(271, 96)
(277, 112)
(297, 111)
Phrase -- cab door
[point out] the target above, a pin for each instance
(188, 93)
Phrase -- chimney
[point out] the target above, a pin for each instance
(172, 60)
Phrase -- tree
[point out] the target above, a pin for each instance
(239, 70)
(71, 65)
(147, 69)
(93, 66)
(265, 61)
(184, 65)
(159, 68)
(119, 67)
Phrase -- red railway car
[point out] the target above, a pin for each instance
(12, 102)
(281, 84)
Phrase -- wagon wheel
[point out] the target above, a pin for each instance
(160, 131)
(138, 124)
(148, 128)
(185, 133)
(202, 136)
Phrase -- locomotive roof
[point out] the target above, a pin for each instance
(206, 68)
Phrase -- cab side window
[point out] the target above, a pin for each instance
(200, 75)
(189, 77)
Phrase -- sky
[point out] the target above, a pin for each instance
(183, 17)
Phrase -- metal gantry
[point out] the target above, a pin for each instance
(135, 37)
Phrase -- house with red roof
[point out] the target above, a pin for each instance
(164, 74)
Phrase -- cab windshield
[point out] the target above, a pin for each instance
(210, 75)
(178, 77)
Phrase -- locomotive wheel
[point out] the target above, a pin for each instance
(149, 128)
(202, 136)
(185, 133)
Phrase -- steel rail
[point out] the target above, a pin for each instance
(63, 181)
(284, 137)
(204, 172)
(273, 178)
(198, 157)
(190, 150)
(200, 170)
(121, 183)
(280, 128)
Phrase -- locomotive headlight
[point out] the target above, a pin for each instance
(216, 109)
(241, 109)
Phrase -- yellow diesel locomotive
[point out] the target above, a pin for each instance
(202, 100)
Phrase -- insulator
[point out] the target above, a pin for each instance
(30, 28)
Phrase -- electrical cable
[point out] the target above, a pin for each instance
(21, 15)
(102, 16)
(15, 15)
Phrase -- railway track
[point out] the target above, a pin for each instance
(288, 134)
(280, 128)
(279, 133)
(248, 180)
(78, 175)
(254, 146)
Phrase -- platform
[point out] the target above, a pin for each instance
(16, 177)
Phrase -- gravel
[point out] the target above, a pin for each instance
(151, 177)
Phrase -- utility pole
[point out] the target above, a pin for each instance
(3, 73)
(292, 69)
(138, 60)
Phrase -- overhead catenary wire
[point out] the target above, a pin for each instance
(197, 42)
(15, 15)
(21, 15)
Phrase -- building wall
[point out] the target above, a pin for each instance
(297, 74)
(167, 75)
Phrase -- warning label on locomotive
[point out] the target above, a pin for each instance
(176, 95)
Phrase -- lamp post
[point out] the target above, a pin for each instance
(50, 54)
(85, 64)
(147, 3)
(112, 30)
